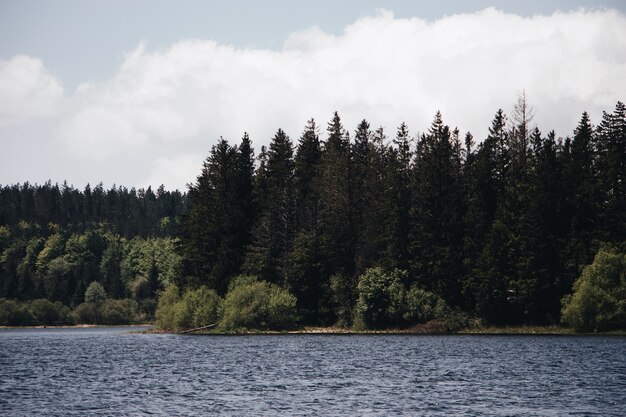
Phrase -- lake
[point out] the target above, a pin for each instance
(108, 371)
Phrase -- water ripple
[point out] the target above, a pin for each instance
(103, 372)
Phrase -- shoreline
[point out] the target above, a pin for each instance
(423, 330)
(77, 326)
(420, 330)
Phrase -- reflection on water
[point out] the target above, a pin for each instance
(102, 371)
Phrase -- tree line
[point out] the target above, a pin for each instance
(129, 213)
(361, 229)
(499, 229)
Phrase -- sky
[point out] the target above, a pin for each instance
(135, 93)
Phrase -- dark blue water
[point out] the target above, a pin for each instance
(84, 372)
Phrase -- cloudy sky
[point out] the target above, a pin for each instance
(136, 92)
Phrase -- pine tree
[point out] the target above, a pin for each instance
(581, 197)
(274, 233)
(335, 220)
(211, 250)
(306, 177)
(437, 213)
(486, 175)
(611, 166)
(398, 201)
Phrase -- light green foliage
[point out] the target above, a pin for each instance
(56, 277)
(205, 305)
(165, 317)
(598, 302)
(255, 304)
(25, 271)
(95, 293)
(51, 249)
(33, 247)
(196, 308)
(422, 306)
(77, 248)
(150, 264)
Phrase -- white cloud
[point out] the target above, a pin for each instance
(384, 69)
(27, 91)
(174, 172)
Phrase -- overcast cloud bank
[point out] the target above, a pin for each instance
(175, 103)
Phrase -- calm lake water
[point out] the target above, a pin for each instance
(106, 371)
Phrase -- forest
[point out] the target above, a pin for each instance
(56, 241)
(361, 229)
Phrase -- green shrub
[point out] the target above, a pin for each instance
(86, 313)
(49, 313)
(381, 298)
(422, 306)
(255, 304)
(205, 306)
(165, 309)
(118, 311)
(13, 313)
(7, 309)
(196, 308)
(598, 302)
(383, 301)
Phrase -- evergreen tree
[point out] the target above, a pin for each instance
(212, 251)
(335, 220)
(579, 185)
(437, 212)
(398, 201)
(306, 181)
(610, 163)
(274, 233)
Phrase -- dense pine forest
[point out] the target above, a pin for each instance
(370, 229)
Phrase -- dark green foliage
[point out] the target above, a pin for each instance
(335, 213)
(274, 233)
(343, 295)
(437, 213)
(13, 313)
(384, 301)
(48, 313)
(421, 306)
(118, 311)
(127, 212)
(221, 211)
(87, 313)
(95, 294)
(610, 164)
(302, 274)
(306, 181)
